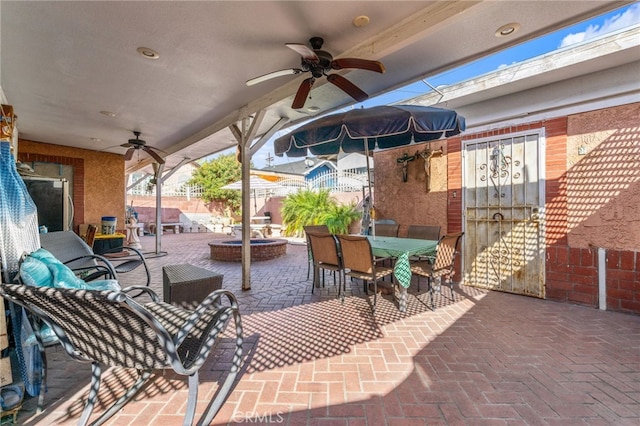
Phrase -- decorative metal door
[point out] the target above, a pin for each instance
(503, 207)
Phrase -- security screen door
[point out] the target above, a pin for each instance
(503, 208)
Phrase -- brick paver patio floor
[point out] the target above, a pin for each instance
(483, 358)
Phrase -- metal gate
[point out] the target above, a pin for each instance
(503, 208)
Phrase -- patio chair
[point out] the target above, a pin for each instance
(71, 250)
(358, 262)
(387, 230)
(424, 232)
(313, 228)
(325, 256)
(442, 267)
(110, 328)
(41, 268)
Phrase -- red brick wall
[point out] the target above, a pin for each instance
(572, 274)
(623, 280)
(578, 218)
(98, 188)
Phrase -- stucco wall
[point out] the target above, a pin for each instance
(603, 178)
(408, 203)
(99, 179)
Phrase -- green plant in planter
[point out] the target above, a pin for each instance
(316, 208)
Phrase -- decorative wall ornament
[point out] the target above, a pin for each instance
(426, 155)
(404, 160)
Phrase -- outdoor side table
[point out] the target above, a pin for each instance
(188, 285)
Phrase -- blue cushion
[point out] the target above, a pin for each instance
(102, 285)
(34, 272)
(43, 255)
(61, 276)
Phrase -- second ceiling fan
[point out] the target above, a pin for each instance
(138, 144)
(319, 62)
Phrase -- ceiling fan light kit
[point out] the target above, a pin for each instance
(319, 63)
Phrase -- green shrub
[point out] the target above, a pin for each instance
(316, 208)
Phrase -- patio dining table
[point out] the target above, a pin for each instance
(401, 249)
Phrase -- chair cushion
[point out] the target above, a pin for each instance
(34, 272)
(60, 275)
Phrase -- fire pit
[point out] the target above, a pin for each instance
(261, 249)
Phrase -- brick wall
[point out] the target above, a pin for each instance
(623, 280)
(592, 201)
(572, 274)
(98, 183)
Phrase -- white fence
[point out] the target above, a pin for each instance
(332, 181)
(146, 189)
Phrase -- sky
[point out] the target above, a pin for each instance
(561, 39)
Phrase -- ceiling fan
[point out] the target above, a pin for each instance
(319, 62)
(138, 144)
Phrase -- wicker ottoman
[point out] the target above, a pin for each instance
(187, 285)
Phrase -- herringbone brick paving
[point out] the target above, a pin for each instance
(483, 358)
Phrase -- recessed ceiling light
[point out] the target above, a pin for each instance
(96, 139)
(507, 29)
(313, 109)
(148, 53)
(108, 113)
(361, 21)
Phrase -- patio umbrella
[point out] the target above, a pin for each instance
(363, 130)
(255, 182)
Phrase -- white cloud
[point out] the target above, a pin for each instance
(629, 17)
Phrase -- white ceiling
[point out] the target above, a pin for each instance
(64, 62)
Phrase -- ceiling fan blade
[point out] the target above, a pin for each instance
(153, 154)
(303, 92)
(363, 64)
(126, 145)
(274, 74)
(348, 87)
(157, 149)
(129, 154)
(305, 51)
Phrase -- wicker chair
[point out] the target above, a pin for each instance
(110, 328)
(442, 267)
(325, 256)
(358, 262)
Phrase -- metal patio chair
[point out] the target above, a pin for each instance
(73, 251)
(358, 262)
(442, 267)
(324, 229)
(387, 229)
(110, 328)
(325, 255)
(424, 232)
